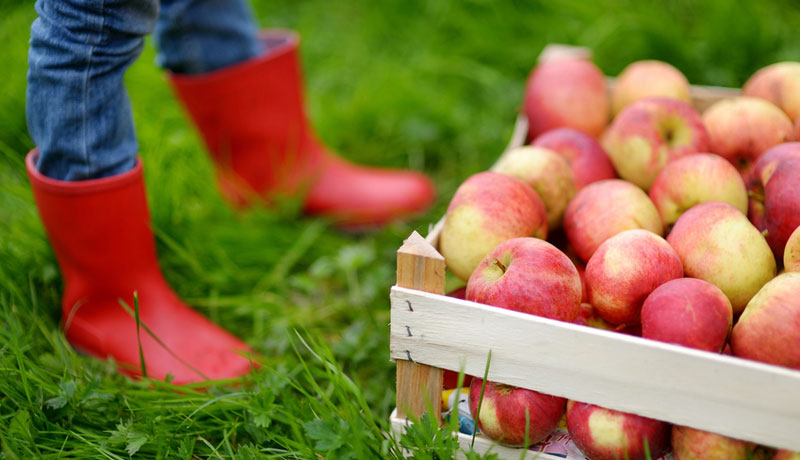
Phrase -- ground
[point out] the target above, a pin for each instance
(431, 85)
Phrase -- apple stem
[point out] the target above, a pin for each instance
(500, 265)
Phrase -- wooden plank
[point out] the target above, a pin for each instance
(482, 444)
(419, 386)
(722, 394)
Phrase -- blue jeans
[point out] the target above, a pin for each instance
(78, 111)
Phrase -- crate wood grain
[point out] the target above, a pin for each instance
(738, 398)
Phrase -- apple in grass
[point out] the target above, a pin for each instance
(586, 157)
(778, 83)
(791, 254)
(716, 243)
(547, 173)
(528, 275)
(566, 92)
(693, 444)
(742, 128)
(605, 434)
(487, 209)
(625, 269)
(769, 329)
(649, 133)
(603, 209)
(649, 78)
(696, 179)
(688, 312)
(505, 410)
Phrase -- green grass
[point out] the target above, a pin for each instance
(428, 85)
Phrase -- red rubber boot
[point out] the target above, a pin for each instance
(252, 118)
(100, 232)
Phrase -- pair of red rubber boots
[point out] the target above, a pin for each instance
(252, 118)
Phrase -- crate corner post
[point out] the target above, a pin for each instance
(420, 267)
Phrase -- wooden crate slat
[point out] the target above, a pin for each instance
(726, 395)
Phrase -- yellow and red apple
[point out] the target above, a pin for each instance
(769, 329)
(693, 444)
(603, 209)
(605, 434)
(716, 243)
(586, 157)
(651, 132)
(487, 209)
(547, 173)
(696, 179)
(505, 409)
(566, 92)
(649, 78)
(528, 275)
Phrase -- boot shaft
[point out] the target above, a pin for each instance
(99, 230)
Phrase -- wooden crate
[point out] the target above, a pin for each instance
(430, 332)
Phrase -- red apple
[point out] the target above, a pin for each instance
(528, 275)
(696, 179)
(625, 269)
(650, 78)
(588, 317)
(692, 444)
(487, 209)
(778, 83)
(605, 434)
(688, 312)
(743, 128)
(603, 209)
(566, 92)
(547, 173)
(769, 328)
(791, 254)
(651, 132)
(775, 202)
(503, 413)
(716, 243)
(782, 454)
(588, 160)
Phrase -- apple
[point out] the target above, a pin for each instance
(778, 83)
(587, 316)
(696, 179)
(688, 312)
(769, 328)
(775, 201)
(742, 128)
(783, 454)
(566, 92)
(651, 132)
(760, 173)
(791, 254)
(487, 209)
(586, 157)
(503, 411)
(547, 173)
(602, 209)
(625, 269)
(693, 444)
(649, 78)
(528, 275)
(716, 243)
(605, 434)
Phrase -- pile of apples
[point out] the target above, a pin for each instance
(642, 216)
